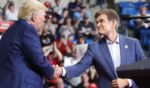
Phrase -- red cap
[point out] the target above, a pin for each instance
(47, 4)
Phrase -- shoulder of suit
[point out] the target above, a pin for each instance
(128, 38)
(26, 25)
(93, 44)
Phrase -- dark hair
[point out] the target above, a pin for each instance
(111, 15)
(47, 39)
(65, 9)
(65, 20)
(11, 3)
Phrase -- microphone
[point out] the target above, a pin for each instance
(129, 17)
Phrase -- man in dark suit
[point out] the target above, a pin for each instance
(110, 52)
(22, 62)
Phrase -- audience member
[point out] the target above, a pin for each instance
(74, 6)
(10, 11)
(86, 28)
(58, 7)
(67, 28)
(49, 25)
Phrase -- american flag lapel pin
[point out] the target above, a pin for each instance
(126, 46)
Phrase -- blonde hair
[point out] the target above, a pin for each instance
(30, 7)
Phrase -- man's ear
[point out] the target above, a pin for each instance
(114, 23)
(33, 17)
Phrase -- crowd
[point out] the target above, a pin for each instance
(64, 39)
(66, 34)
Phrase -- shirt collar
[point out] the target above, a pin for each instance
(116, 41)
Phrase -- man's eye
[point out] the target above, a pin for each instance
(101, 21)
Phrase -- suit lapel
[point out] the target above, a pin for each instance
(107, 57)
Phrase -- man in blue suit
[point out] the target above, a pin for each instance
(22, 62)
(110, 52)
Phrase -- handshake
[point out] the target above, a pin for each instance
(57, 71)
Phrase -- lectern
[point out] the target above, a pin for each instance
(138, 71)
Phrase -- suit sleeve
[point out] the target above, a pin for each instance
(139, 51)
(81, 66)
(134, 85)
(33, 52)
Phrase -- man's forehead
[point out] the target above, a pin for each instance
(101, 16)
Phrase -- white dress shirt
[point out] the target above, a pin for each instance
(114, 49)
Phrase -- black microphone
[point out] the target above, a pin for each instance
(129, 17)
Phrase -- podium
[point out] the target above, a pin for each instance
(138, 71)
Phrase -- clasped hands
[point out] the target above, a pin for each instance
(57, 71)
(116, 83)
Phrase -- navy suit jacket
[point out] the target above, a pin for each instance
(22, 62)
(98, 55)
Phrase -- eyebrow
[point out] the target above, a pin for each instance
(99, 20)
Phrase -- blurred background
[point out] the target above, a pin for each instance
(70, 27)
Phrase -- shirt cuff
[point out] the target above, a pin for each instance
(130, 82)
(63, 72)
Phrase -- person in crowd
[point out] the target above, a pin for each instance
(76, 20)
(110, 52)
(22, 61)
(48, 5)
(143, 23)
(58, 7)
(86, 27)
(75, 82)
(67, 28)
(74, 6)
(137, 24)
(141, 29)
(81, 40)
(10, 12)
(64, 45)
(49, 25)
(65, 13)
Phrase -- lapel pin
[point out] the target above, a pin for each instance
(126, 46)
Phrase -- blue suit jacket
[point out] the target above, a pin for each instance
(98, 55)
(22, 62)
